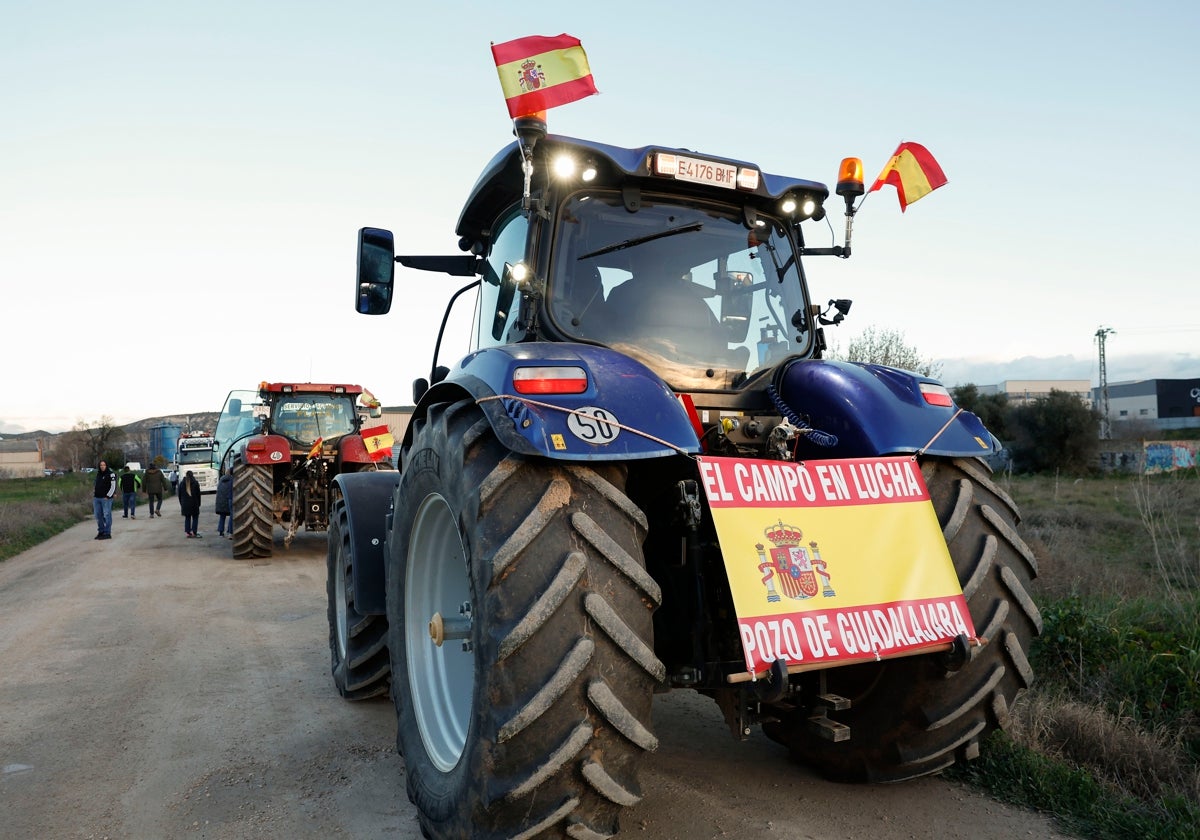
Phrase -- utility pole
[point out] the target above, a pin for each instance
(1105, 430)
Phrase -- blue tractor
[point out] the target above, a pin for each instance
(545, 559)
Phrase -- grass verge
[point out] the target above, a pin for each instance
(34, 509)
(1108, 740)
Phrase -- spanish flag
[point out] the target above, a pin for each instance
(913, 172)
(316, 449)
(378, 441)
(541, 72)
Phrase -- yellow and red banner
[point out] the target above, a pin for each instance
(914, 173)
(833, 562)
(378, 441)
(315, 451)
(541, 72)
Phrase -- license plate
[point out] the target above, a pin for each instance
(706, 172)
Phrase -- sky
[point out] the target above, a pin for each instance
(181, 184)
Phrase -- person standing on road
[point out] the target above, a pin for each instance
(129, 487)
(155, 484)
(189, 503)
(102, 499)
(223, 504)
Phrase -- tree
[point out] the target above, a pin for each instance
(992, 409)
(99, 439)
(887, 347)
(1055, 432)
(71, 450)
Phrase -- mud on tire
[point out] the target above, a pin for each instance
(914, 716)
(531, 716)
(357, 642)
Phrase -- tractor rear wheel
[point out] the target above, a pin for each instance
(253, 522)
(357, 642)
(918, 715)
(520, 624)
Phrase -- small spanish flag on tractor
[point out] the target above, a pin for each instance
(913, 172)
(378, 441)
(540, 72)
(316, 448)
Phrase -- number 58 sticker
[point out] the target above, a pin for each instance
(594, 425)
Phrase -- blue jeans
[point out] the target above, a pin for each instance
(102, 508)
(130, 500)
(223, 518)
(190, 522)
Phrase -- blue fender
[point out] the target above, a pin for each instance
(368, 500)
(876, 410)
(652, 421)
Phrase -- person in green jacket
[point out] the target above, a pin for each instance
(154, 483)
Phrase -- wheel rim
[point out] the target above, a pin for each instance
(441, 676)
(339, 582)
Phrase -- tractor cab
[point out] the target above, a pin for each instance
(688, 264)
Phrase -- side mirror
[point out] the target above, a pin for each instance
(376, 271)
(735, 288)
(376, 412)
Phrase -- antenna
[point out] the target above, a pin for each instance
(1105, 430)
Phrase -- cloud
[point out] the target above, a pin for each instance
(976, 371)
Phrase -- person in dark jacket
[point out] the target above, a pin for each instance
(155, 484)
(130, 481)
(102, 499)
(223, 504)
(189, 504)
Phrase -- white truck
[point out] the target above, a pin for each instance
(195, 452)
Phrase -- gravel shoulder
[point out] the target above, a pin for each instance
(153, 687)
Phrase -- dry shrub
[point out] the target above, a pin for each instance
(1113, 749)
(1169, 509)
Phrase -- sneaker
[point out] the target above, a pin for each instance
(197, 536)
(131, 516)
(106, 536)
(124, 515)
(98, 537)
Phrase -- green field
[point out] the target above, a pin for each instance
(34, 509)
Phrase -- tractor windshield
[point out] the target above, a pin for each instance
(689, 290)
(302, 418)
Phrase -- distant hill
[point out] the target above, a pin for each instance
(135, 443)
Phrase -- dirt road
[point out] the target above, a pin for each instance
(152, 687)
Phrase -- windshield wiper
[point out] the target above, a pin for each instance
(639, 240)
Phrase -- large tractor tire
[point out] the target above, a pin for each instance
(357, 642)
(253, 521)
(918, 715)
(520, 630)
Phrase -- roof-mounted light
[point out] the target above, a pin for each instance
(550, 380)
(747, 178)
(564, 166)
(666, 164)
(850, 179)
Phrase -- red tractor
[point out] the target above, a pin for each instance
(284, 444)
